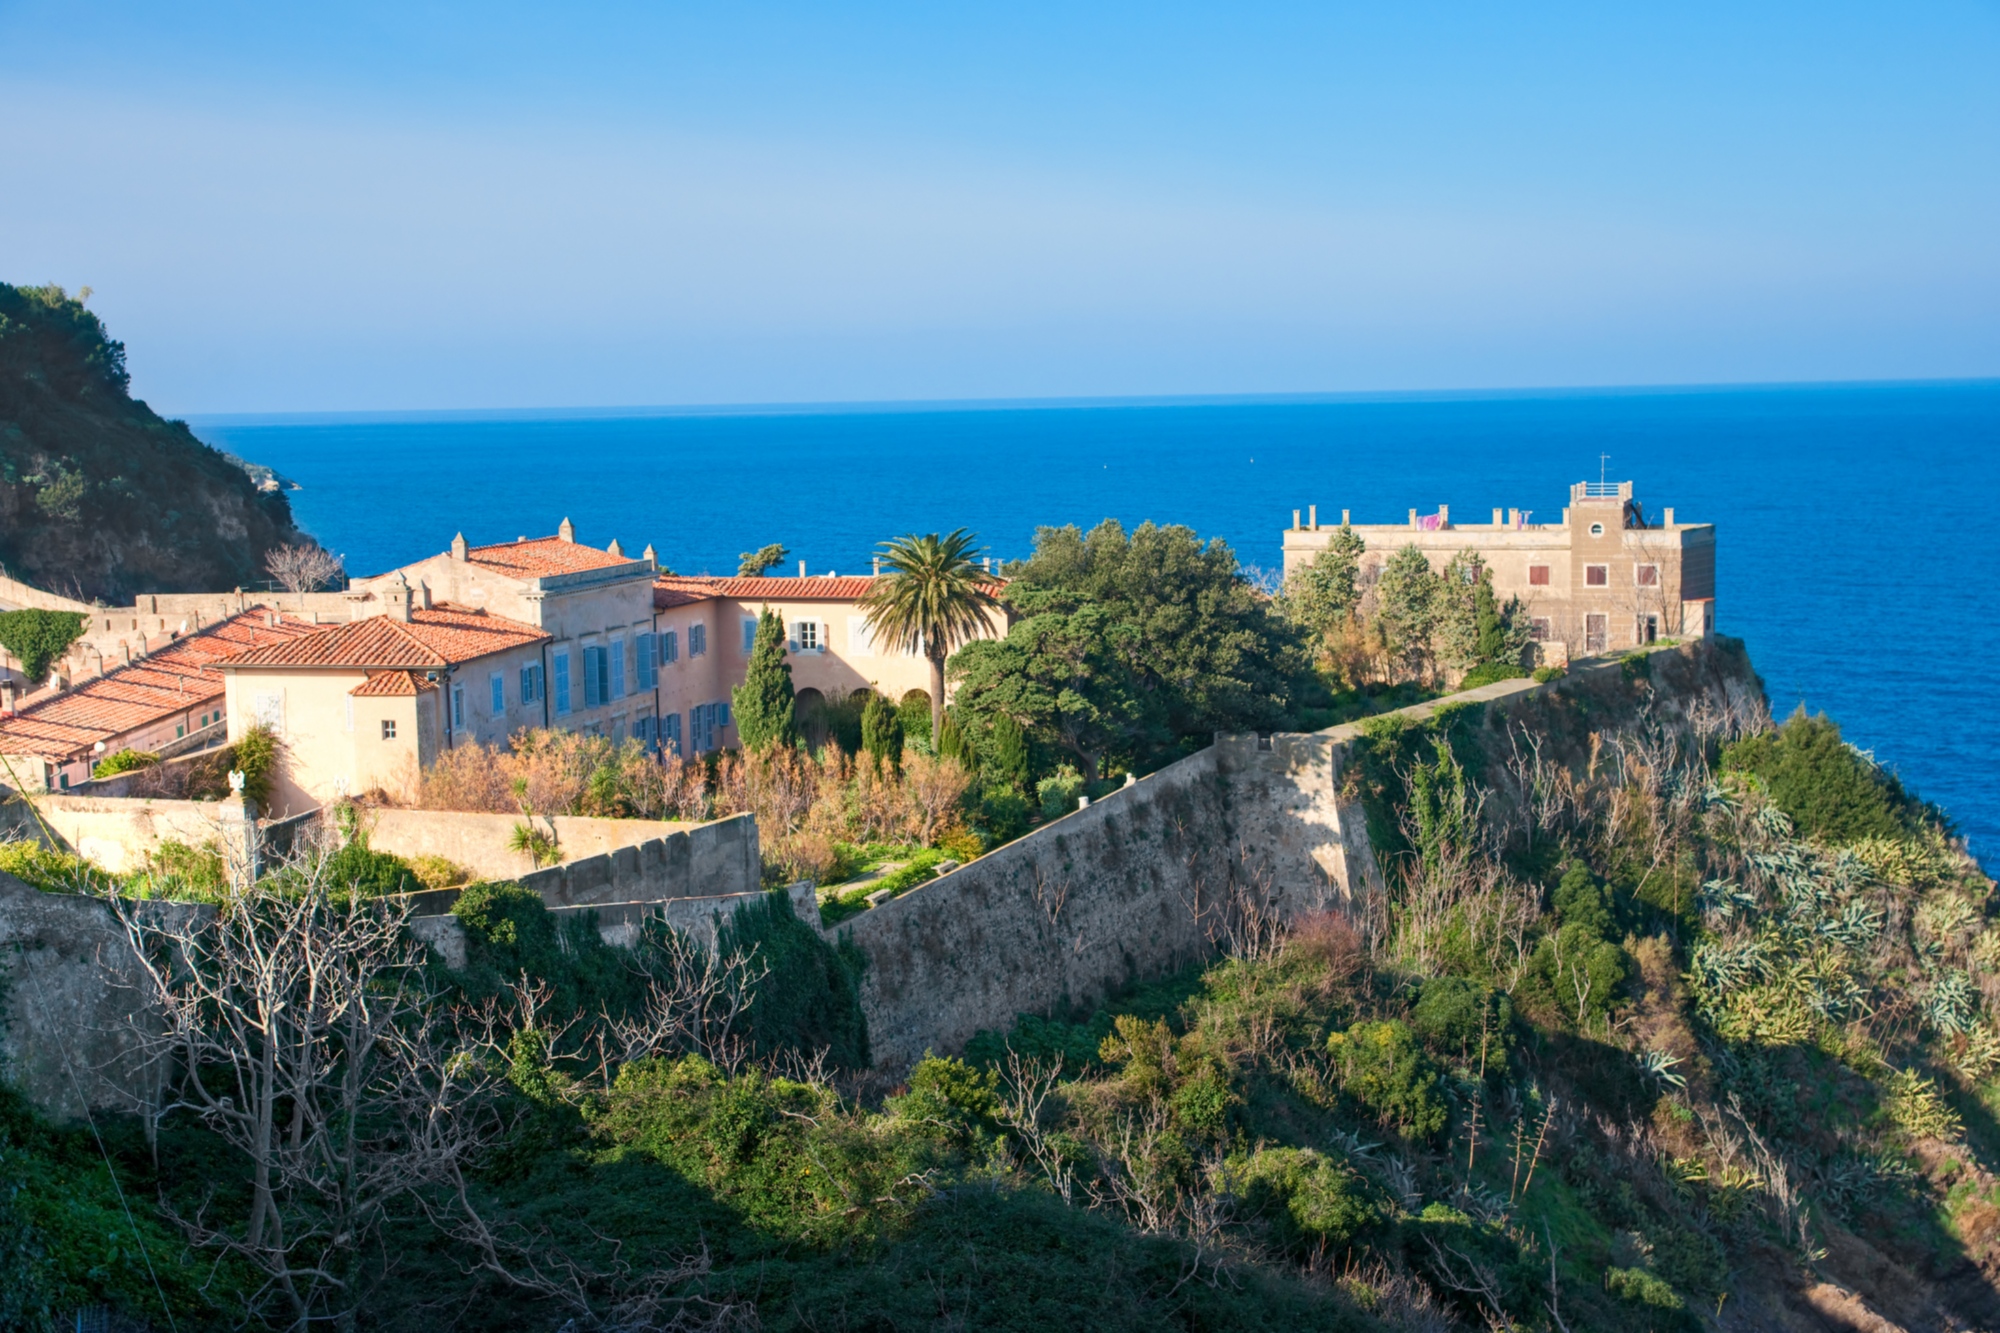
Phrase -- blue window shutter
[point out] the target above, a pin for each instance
(617, 653)
(643, 649)
(562, 683)
(749, 636)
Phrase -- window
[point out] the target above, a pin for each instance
(617, 655)
(697, 640)
(388, 729)
(698, 732)
(179, 731)
(594, 673)
(642, 730)
(1595, 630)
(670, 647)
(531, 682)
(1539, 629)
(860, 643)
(270, 710)
(722, 714)
(644, 649)
(1647, 630)
(1647, 576)
(670, 731)
(1597, 529)
(749, 635)
(808, 635)
(1597, 576)
(499, 686)
(1538, 576)
(458, 708)
(562, 683)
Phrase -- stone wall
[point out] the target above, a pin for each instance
(116, 833)
(479, 842)
(69, 1002)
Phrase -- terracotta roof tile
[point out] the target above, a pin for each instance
(680, 589)
(391, 684)
(539, 556)
(434, 638)
(177, 678)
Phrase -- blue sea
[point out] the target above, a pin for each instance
(1856, 525)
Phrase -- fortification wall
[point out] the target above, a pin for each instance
(480, 842)
(70, 1013)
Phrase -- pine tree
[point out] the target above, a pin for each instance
(882, 734)
(1322, 595)
(1406, 612)
(766, 706)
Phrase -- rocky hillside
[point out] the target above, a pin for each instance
(100, 497)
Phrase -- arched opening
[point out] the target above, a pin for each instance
(809, 707)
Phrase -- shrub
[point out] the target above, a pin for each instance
(1829, 790)
(1544, 674)
(435, 872)
(371, 873)
(1007, 753)
(914, 713)
(49, 871)
(1310, 1199)
(1488, 672)
(1457, 1017)
(123, 761)
(37, 638)
(1004, 813)
(949, 1100)
(1381, 1066)
(882, 734)
(176, 869)
(1636, 1284)
(1059, 792)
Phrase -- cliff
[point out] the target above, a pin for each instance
(100, 498)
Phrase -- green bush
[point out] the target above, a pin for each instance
(1059, 791)
(1488, 672)
(38, 638)
(1830, 791)
(1004, 813)
(51, 872)
(1544, 674)
(1309, 1199)
(1641, 1287)
(1457, 1017)
(370, 873)
(809, 999)
(1381, 1066)
(123, 761)
(950, 1101)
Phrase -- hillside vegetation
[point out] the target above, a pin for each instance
(1670, 1019)
(99, 497)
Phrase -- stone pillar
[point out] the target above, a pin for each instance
(242, 844)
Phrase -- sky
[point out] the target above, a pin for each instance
(411, 206)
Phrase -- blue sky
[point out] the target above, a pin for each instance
(413, 206)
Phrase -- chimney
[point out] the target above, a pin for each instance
(424, 596)
(986, 563)
(1295, 521)
(1669, 513)
(1343, 518)
(125, 652)
(458, 548)
(567, 532)
(650, 556)
(10, 694)
(1444, 516)
(802, 569)
(1413, 518)
(1565, 518)
(1513, 518)
(397, 598)
(1496, 518)
(1312, 517)
(878, 566)
(615, 549)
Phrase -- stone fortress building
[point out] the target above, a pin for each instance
(1602, 578)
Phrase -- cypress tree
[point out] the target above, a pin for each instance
(1010, 753)
(882, 734)
(955, 744)
(766, 705)
(1492, 632)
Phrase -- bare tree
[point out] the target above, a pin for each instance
(310, 1042)
(695, 1000)
(306, 567)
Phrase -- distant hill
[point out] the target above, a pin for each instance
(99, 497)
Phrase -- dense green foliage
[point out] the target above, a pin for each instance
(123, 761)
(882, 734)
(38, 638)
(1324, 594)
(1826, 788)
(99, 497)
(765, 703)
(930, 597)
(751, 564)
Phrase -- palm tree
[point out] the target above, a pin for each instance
(931, 598)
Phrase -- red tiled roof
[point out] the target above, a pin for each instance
(539, 556)
(391, 684)
(818, 588)
(680, 589)
(178, 678)
(434, 638)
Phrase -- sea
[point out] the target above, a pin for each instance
(1858, 526)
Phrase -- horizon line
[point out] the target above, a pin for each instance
(837, 407)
